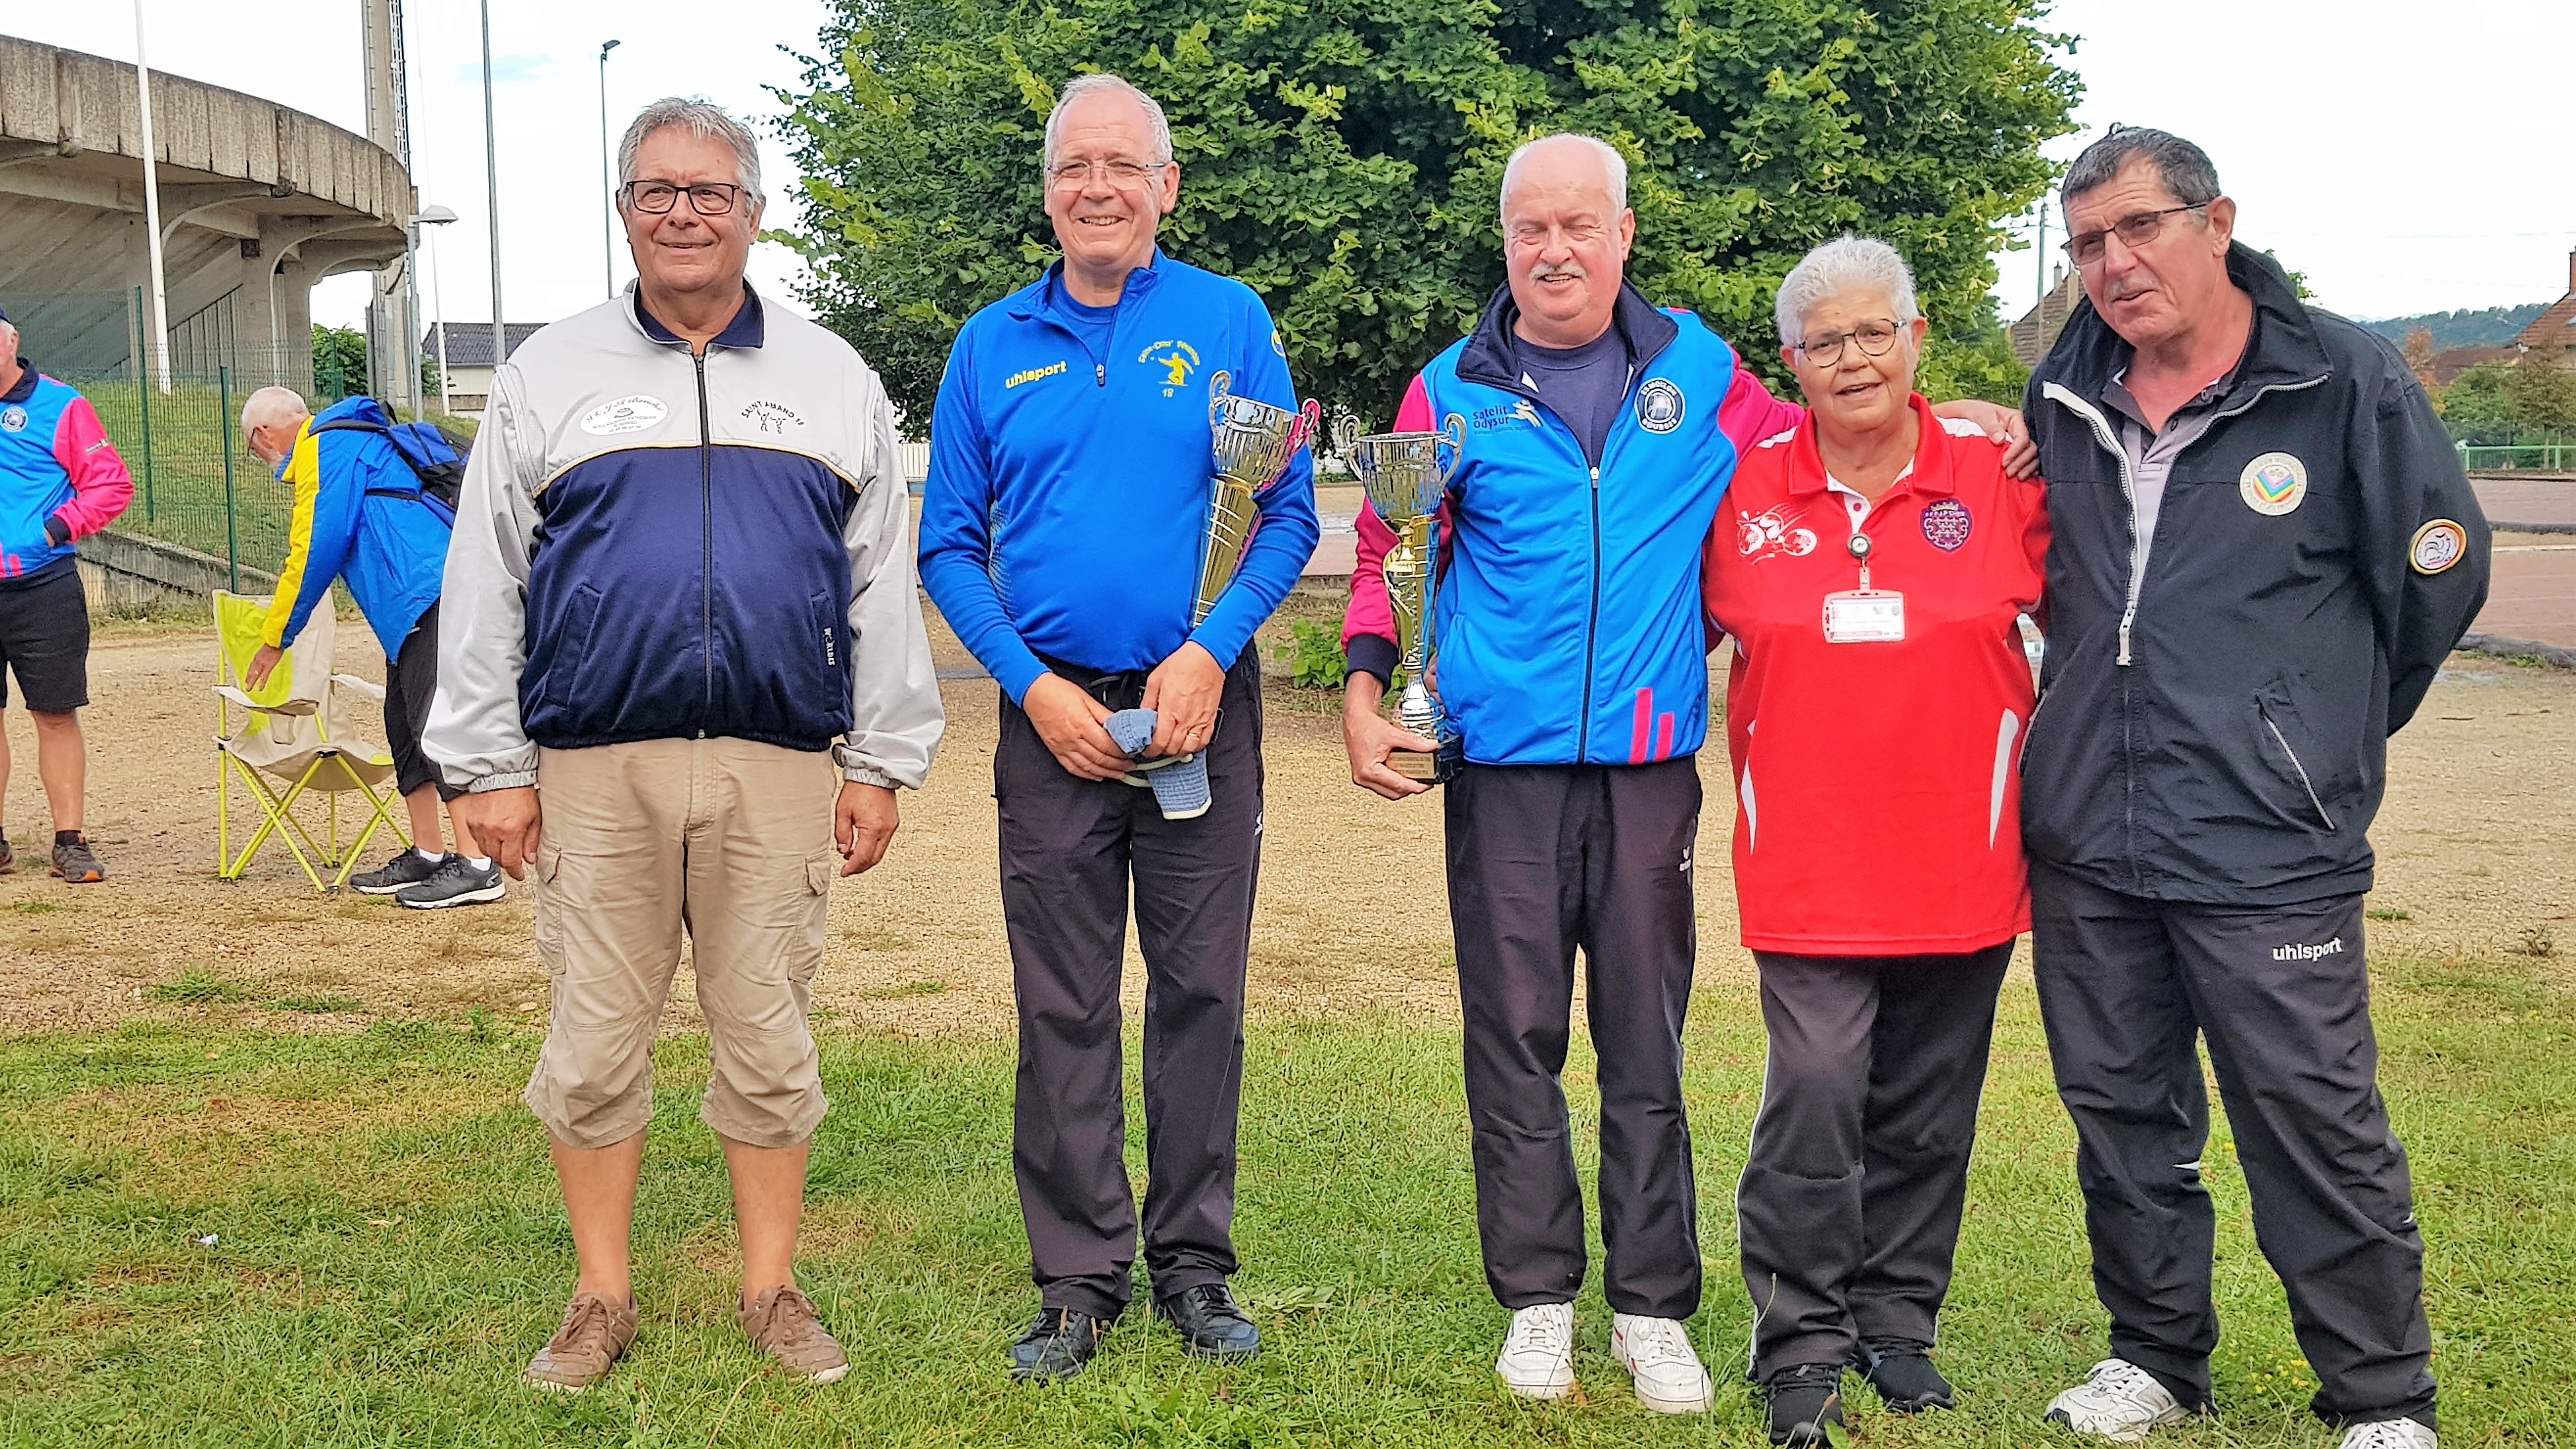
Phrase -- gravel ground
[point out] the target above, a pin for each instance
(2475, 854)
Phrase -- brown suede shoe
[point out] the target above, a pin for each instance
(781, 1324)
(596, 1329)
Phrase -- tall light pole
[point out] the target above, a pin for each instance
(436, 216)
(607, 180)
(160, 360)
(491, 196)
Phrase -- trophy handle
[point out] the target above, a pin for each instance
(1220, 387)
(1310, 425)
(1452, 447)
(1344, 431)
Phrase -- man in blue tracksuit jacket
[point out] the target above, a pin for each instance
(1070, 476)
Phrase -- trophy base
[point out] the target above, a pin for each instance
(1432, 768)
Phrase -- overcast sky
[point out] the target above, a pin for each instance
(2407, 157)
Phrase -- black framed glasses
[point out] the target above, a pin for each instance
(1874, 339)
(1122, 174)
(2086, 248)
(707, 198)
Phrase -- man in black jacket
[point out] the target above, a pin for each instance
(2263, 548)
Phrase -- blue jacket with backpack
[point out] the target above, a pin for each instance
(367, 509)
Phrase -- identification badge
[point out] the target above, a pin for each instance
(1865, 616)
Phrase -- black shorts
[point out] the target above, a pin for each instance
(411, 683)
(44, 640)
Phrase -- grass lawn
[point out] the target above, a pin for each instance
(216, 1235)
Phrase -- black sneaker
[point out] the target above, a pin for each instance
(1058, 1346)
(1209, 1323)
(1902, 1372)
(407, 869)
(8, 859)
(1799, 1402)
(76, 863)
(455, 883)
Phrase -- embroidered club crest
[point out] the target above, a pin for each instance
(1760, 535)
(2438, 545)
(1947, 524)
(2274, 484)
(13, 419)
(1659, 405)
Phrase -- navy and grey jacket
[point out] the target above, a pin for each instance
(652, 545)
(2218, 732)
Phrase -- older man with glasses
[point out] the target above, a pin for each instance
(686, 663)
(1070, 469)
(2262, 549)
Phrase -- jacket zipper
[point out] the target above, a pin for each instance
(2128, 490)
(2302, 770)
(707, 521)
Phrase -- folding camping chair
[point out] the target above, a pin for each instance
(281, 741)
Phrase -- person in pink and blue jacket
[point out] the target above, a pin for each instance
(60, 481)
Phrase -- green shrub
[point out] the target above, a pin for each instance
(1313, 654)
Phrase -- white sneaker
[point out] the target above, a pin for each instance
(2118, 1401)
(2390, 1434)
(1537, 1361)
(1657, 1352)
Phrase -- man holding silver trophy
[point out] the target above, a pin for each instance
(1119, 495)
(1530, 553)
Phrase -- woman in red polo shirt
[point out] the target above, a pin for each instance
(1871, 566)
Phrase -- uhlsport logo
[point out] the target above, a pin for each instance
(1177, 359)
(1034, 374)
(2274, 484)
(2298, 952)
(1659, 405)
(13, 419)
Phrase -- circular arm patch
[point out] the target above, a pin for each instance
(2438, 545)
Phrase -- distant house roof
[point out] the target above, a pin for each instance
(469, 344)
(2554, 331)
(2450, 362)
(2037, 330)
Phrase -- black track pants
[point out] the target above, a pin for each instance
(1071, 849)
(2125, 985)
(1848, 1211)
(1543, 859)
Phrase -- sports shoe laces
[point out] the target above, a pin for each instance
(1659, 1341)
(2388, 1434)
(1541, 1332)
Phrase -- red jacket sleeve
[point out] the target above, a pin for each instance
(101, 488)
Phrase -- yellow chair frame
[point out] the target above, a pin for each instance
(284, 732)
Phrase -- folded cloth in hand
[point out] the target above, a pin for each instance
(1180, 782)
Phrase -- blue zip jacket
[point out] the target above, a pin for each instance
(60, 478)
(1068, 489)
(358, 516)
(1568, 614)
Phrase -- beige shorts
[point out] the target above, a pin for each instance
(726, 840)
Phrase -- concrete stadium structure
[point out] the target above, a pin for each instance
(258, 203)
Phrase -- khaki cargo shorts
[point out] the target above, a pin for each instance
(727, 841)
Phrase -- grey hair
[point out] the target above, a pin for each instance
(1847, 263)
(2185, 167)
(1614, 167)
(272, 407)
(1092, 82)
(703, 119)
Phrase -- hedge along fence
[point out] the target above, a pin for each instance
(195, 481)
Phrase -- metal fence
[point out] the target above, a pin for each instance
(195, 484)
(2548, 457)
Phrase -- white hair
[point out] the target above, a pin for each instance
(1614, 167)
(273, 407)
(703, 119)
(1091, 83)
(1845, 264)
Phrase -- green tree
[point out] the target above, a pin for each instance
(2504, 402)
(1344, 158)
(339, 363)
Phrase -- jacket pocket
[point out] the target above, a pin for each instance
(571, 649)
(2279, 749)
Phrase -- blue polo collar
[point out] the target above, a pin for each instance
(747, 329)
(1049, 296)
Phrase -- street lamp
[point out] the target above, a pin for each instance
(607, 180)
(436, 216)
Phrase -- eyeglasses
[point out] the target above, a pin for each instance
(709, 198)
(1122, 174)
(1875, 338)
(2086, 248)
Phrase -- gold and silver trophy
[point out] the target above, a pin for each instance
(1406, 475)
(1255, 443)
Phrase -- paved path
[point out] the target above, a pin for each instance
(2547, 501)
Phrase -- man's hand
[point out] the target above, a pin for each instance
(2003, 426)
(863, 824)
(262, 665)
(1370, 738)
(504, 823)
(1069, 721)
(1183, 692)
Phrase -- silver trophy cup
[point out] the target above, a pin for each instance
(1406, 475)
(1254, 442)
